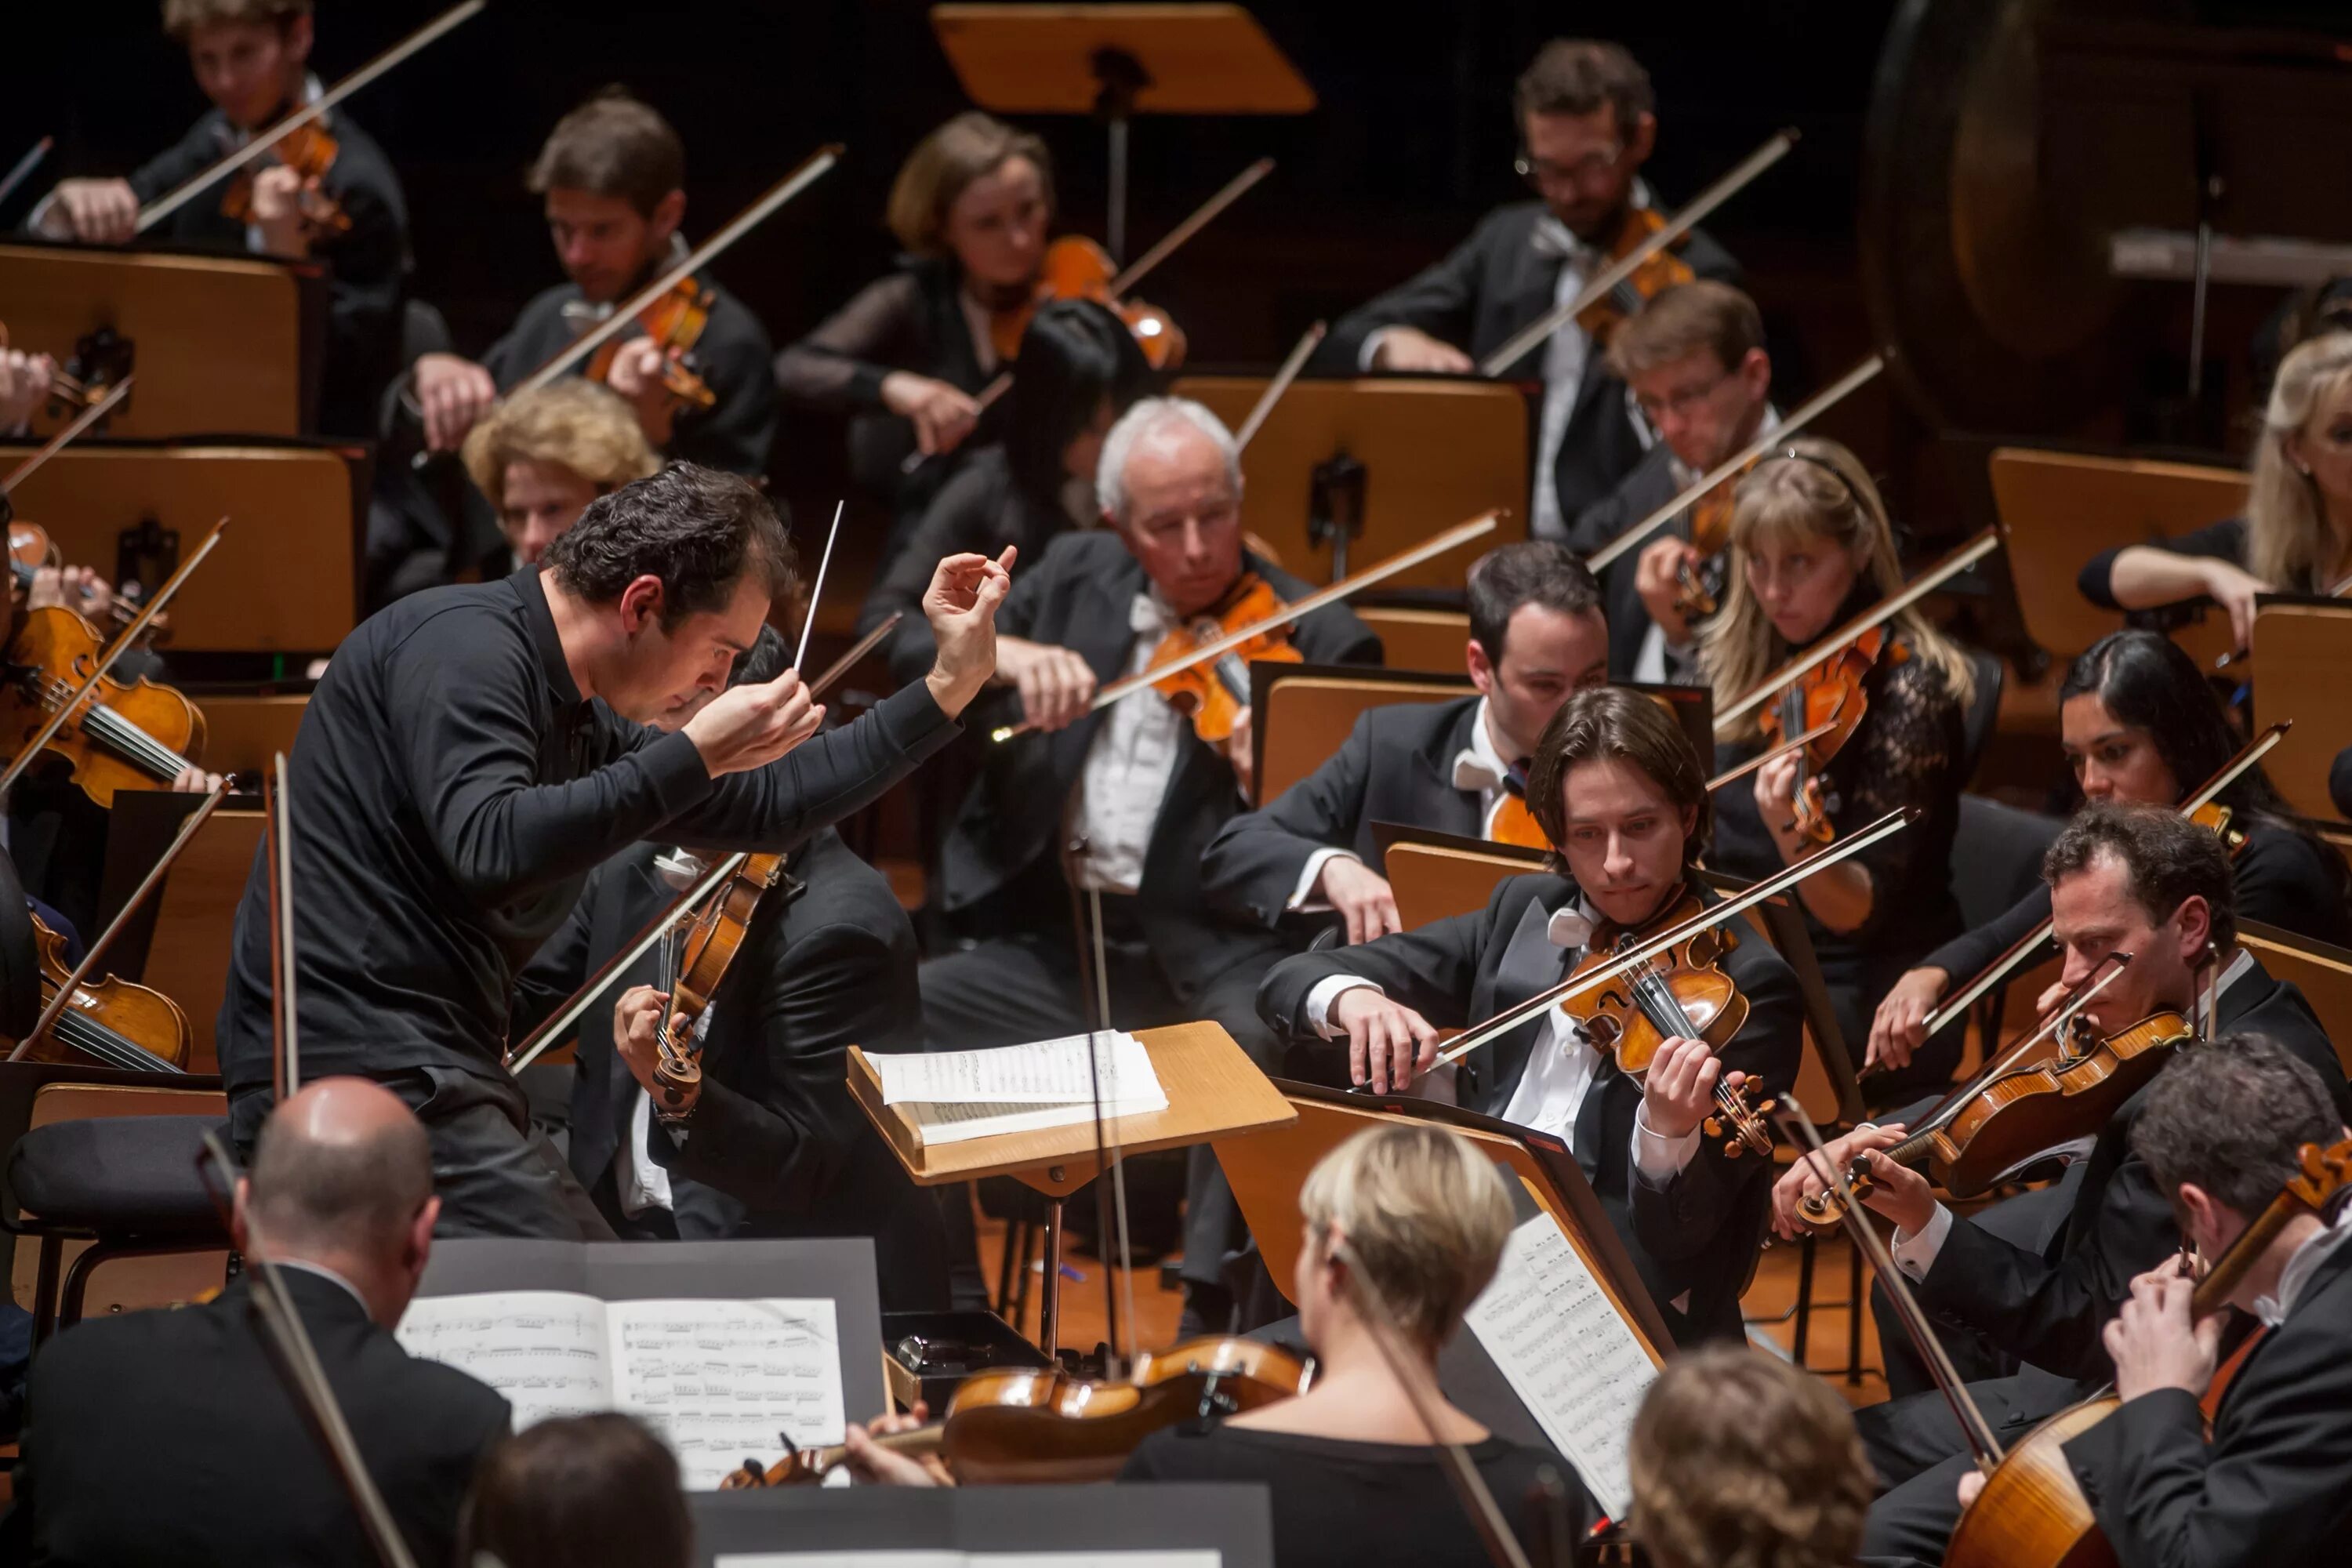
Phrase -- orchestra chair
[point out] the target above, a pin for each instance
(1302, 713)
(2059, 509)
(107, 1158)
(2306, 646)
(2323, 973)
(1422, 639)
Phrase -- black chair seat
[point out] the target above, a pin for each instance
(118, 1176)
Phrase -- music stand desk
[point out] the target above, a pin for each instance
(1304, 712)
(2303, 649)
(1041, 60)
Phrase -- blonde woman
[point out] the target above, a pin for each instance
(1811, 547)
(542, 457)
(2297, 535)
(1740, 1460)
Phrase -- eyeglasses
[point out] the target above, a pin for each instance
(1587, 170)
(1679, 402)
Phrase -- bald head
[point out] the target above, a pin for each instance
(341, 1167)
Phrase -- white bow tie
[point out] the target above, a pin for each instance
(1567, 929)
(1147, 614)
(1470, 774)
(1551, 237)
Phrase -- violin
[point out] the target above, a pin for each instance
(2214, 818)
(675, 320)
(30, 549)
(1829, 698)
(2031, 1513)
(111, 1022)
(712, 941)
(2010, 1116)
(1075, 268)
(310, 151)
(1678, 992)
(1655, 273)
(131, 735)
(1026, 1424)
(1213, 692)
(1513, 821)
(1699, 586)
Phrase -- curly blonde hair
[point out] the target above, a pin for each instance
(1815, 489)
(2288, 542)
(1740, 1460)
(572, 423)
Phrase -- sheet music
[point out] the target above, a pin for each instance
(1043, 1072)
(949, 1559)
(1568, 1355)
(716, 1380)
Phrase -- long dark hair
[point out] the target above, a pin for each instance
(1074, 355)
(2143, 679)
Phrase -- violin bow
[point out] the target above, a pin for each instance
(1979, 1431)
(2000, 968)
(810, 170)
(1288, 372)
(1469, 1486)
(124, 641)
(858, 650)
(1826, 647)
(1793, 743)
(1528, 337)
(25, 165)
(1112, 1163)
(298, 1362)
(1461, 533)
(1755, 893)
(165, 205)
(1821, 402)
(65, 438)
(97, 950)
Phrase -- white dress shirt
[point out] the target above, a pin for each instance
(2300, 1266)
(1915, 1252)
(1478, 769)
(1129, 764)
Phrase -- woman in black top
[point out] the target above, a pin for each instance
(908, 354)
(1079, 371)
(1812, 548)
(2139, 723)
(2297, 535)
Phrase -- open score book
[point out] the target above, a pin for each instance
(954, 1095)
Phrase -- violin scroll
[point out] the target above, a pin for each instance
(1738, 1122)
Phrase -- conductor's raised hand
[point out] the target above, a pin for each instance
(960, 604)
(752, 725)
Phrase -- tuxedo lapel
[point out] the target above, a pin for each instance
(1437, 804)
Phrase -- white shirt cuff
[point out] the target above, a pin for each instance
(1658, 1159)
(1915, 1252)
(1309, 877)
(1325, 992)
(1370, 349)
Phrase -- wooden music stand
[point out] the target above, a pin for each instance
(1115, 62)
(1418, 639)
(245, 728)
(1213, 1091)
(286, 577)
(2322, 972)
(219, 344)
(2303, 649)
(2060, 509)
(1301, 713)
(1266, 1169)
(179, 942)
(1434, 451)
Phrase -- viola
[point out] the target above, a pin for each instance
(310, 151)
(1026, 1424)
(128, 736)
(1075, 268)
(1655, 273)
(674, 319)
(712, 941)
(1828, 698)
(2010, 1117)
(1680, 992)
(1213, 692)
(2031, 1513)
(111, 1022)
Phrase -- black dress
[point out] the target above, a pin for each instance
(1349, 1504)
(1906, 752)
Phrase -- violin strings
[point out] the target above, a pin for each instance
(109, 728)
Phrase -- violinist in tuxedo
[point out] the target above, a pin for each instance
(611, 180)
(252, 59)
(1119, 801)
(2271, 1483)
(1619, 791)
(1537, 637)
(2134, 879)
(1587, 121)
(1693, 360)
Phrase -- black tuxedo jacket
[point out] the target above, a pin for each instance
(1650, 486)
(367, 267)
(239, 1477)
(1493, 284)
(1396, 765)
(1002, 861)
(2274, 1485)
(776, 1146)
(2048, 1308)
(1694, 1240)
